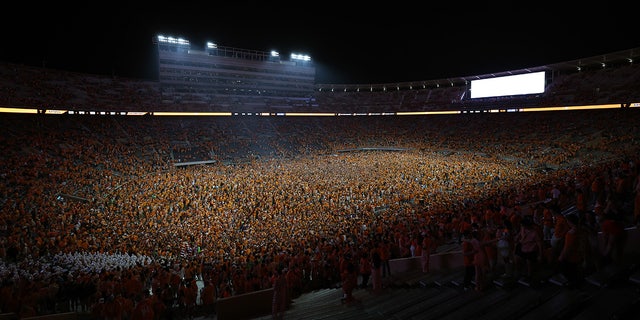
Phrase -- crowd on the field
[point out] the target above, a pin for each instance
(89, 221)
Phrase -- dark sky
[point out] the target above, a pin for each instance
(350, 42)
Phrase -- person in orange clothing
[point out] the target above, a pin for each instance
(548, 223)
(468, 254)
(385, 255)
(188, 294)
(598, 193)
(208, 297)
(280, 294)
(349, 276)
(464, 226)
(529, 247)
(144, 309)
(365, 268)
(613, 239)
(572, 255)
(560, 229)
(480, 259)
(427, 247)
(581, 203)
(489, 245)
(376, 271)
(505, 246)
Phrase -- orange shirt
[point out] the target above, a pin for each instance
(547, 218)
(561, 227)
(467, 249)
(572, 250)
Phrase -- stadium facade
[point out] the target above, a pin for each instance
(226, 78)
(217, 80)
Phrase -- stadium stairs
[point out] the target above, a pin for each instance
(612, 293)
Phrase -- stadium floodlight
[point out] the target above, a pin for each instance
(173, 40)
(303, 57)
(211, 45)
(275, 53)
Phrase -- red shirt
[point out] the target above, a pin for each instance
(467, 247)
(612, 227)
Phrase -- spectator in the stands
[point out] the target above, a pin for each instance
(613, 239)
(572, 255)
(528, 248)
(468, 256)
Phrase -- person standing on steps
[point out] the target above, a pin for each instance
(571, 257)
(427, 247)
(529, 247)
(504, 234)
(468, 254)
(385, 255)
(365, 269)
(280, 294)
(349, 275)
(376, 271)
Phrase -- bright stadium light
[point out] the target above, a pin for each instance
(173, 40)
(303, 57)
(211, 45)
(275, 53)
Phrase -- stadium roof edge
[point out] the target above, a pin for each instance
(632, 54)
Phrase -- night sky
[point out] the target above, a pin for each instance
(368, 42)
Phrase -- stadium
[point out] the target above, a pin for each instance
(189, 196)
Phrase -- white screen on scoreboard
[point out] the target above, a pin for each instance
(529, 83)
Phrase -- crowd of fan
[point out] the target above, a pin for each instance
(94, 217)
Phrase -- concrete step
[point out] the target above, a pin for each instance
(482, 303)
(621, 303)
(418, 307)
(520, 301)
(607, 276)
(562, 304)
